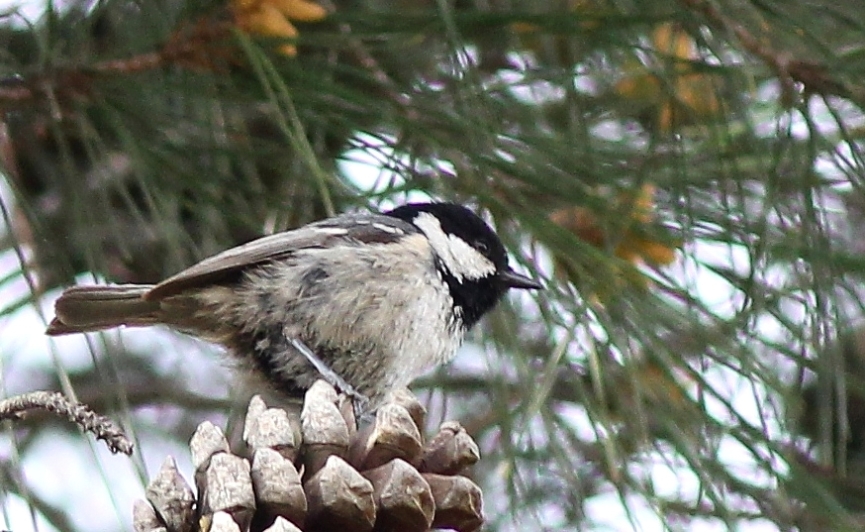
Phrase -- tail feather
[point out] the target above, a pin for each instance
(93, 308)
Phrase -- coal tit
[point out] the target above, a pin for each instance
(378, 298)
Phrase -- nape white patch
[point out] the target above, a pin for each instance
(461, 260)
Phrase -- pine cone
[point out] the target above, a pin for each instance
(316, 472)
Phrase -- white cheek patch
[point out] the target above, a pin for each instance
(461, 260)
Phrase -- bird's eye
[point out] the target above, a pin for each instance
(482, 246)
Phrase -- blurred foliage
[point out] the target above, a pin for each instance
(629, 239)
(706, 152)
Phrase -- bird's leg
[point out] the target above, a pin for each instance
(359, 401)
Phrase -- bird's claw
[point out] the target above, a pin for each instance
(359, 401)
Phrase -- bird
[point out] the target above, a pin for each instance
(374, 299)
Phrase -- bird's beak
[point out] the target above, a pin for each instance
(512, 279)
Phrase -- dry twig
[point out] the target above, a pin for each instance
(102, 427)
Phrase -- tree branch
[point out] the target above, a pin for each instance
(81, 415)
(813, 76)
(192, 48)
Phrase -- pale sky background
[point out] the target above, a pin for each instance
(66, 466)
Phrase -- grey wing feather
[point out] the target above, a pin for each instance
(349, 228)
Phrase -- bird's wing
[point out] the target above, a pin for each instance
(353, 229)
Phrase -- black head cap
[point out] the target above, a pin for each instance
(475, 285)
